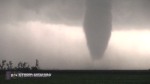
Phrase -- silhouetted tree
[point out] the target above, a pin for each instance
(0, 67)
(36, 67)
(9, 65)
(20, 66)
(24, 65)
(3, 64)
(37, 64)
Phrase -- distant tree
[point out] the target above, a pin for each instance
(15, 68)
(37, 64)
(24, 65)
(28, 67)
(3, 64)
(34, 68)
(0, 67)
(19, 65)
(9, 65)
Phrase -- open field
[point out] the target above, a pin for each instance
(85, 77)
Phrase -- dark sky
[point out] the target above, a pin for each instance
(54, 11)
(52, 31)
(71, 12)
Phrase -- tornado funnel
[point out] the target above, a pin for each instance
(97, 26)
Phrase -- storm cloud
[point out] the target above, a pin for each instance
(72, 12)
(53, 32)
(68, 12)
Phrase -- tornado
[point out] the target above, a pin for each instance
(97, 26)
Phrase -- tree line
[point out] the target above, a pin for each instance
(8, 65)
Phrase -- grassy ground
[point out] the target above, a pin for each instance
(91, 77)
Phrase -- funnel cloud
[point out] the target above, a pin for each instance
(97, 26)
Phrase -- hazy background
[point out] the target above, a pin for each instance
(51, 31)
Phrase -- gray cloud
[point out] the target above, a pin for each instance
(131, 13)
(71, 12)
(53, 11)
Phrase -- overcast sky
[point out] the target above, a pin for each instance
(52, 31)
